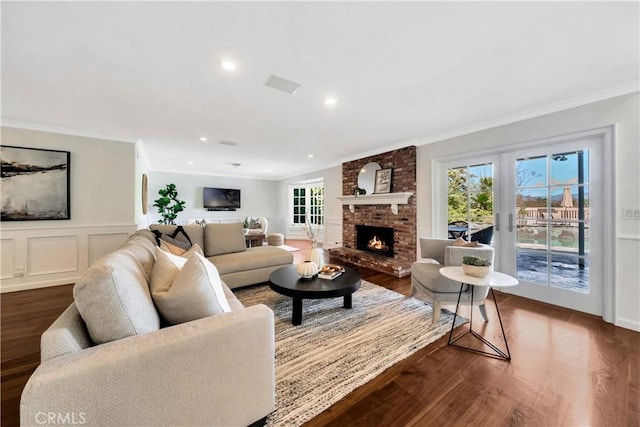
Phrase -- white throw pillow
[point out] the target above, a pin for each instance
(165, 270)
(195, 292)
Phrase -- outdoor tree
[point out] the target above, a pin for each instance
(470, 197)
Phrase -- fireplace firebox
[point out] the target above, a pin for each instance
(378, 240)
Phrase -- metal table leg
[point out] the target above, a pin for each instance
(498, 354)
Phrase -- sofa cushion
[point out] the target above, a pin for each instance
(194, 231)
(224, 239)
(195, 293)
(252, 259)
(113, 298)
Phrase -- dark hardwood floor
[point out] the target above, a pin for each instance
(567, 368)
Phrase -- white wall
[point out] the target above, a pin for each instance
(624, 113)
(332, 178)
(102, 213)
(141, 168)
(259, 198)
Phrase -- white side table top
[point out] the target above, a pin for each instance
(493, 279)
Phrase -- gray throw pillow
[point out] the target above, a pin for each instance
(194, 231)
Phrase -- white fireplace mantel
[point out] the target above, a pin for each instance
(392, 199)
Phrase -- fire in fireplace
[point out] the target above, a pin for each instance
(378, 240)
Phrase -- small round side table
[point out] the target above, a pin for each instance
(493, 279)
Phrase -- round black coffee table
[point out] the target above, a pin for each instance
(286, 281)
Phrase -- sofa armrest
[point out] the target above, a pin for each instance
(214, 371)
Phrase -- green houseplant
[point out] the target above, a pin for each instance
(168, 204)
(475, 266)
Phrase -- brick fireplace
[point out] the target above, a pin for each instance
(403, 225)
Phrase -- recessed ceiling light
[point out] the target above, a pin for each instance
(190, 162)
(330, 100)
(203, 139)
(228, 65)
(310, 156)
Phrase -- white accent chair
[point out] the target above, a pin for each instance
(258, 226)
(428, 284)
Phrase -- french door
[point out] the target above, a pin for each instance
(551, 228)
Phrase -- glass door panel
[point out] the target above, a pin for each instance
(548, 244)
(551, 203)
(470, 196)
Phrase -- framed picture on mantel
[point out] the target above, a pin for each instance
(383, 181)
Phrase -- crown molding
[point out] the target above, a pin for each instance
(578, 101)
(65, 131)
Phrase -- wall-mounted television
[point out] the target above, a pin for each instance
(221, 199)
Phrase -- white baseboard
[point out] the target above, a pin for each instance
(628, 324)
(37, 285)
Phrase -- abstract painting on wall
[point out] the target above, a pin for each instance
(35, 184)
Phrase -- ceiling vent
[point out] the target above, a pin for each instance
(280, 83)
(230, 143)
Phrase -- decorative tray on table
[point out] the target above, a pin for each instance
(330, 271)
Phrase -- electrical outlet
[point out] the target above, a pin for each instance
(19, 271)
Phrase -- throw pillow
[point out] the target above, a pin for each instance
(461, 242)
(171, 248)
(194, 231)
(195, 293)
(179, 237)
(224, 238)
(255, 223)
(176, 250)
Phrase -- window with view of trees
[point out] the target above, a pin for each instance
(470, 198)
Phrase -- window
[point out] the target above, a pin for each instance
(307, 200)
(470, 200)
(299, 205)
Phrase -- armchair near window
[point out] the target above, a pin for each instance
(428, 284)
(257, 225)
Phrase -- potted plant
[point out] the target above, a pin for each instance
(245, 224)
(168, 204)
(475, 266)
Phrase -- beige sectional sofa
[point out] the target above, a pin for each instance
(224, 245)
(109, 360)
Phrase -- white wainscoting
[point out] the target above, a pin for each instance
(7, 251)
(332, 233)
(41, 257)
(47, 255)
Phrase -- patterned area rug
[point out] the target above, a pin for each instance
(336, 350)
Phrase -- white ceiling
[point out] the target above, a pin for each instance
(404, 73)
